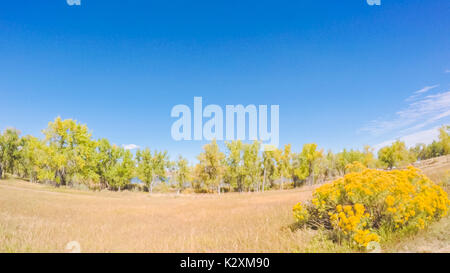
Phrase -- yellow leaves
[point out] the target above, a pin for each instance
(355, 167)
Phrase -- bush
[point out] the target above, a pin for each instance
(367, 204)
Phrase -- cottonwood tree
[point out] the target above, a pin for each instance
(65, 139)
(234, 166)
(10, 144)
(31, 157)
(306, 163)
(270, 170)
(123, 170)
(284, 163)
(105, 159)
(211, 165)
(144, 169)
(368, 159)
(395, 155)
(151, 167)
(252, 165)
(182, 173)
(329, 162)
(347, 157)
(444, 138)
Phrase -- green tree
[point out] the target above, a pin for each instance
(65, 139)
(306, 163)
(368, 158)
(106, 158)
(182, 173)
(211, 165)
(151, 168)
(395, 155)
(234, 174)
(284, 164)
(270, 169)
(31, 157)
(123, 170)
(419, 151)
(10, 143)
(444, 138)
(144, 169)
(252, 165)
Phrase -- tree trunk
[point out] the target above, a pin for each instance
(264, 181)
(62, 177)
(218, 189)
(1, 172)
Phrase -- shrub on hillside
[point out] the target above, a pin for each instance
(366, 204)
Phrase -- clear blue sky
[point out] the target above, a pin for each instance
(344, 73)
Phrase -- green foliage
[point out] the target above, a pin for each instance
(122, 172)
(270, 171)
(395, 155)
(211, 165)
(69, 156)
(284, 163)
(306, 164)
(151, 167)
(10, 145)
(106, 157)
(31, 157)
(182, 173)
(436, 148)
(66, 141)
(252, 166)
(234, 174)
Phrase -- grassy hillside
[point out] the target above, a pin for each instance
(39, 218)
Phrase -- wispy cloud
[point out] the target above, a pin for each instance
(447, 71)
(419, 113)
(130, 146)
(421, 91)
(426, 89)
(425, 137)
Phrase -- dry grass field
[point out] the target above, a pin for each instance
(39, 218)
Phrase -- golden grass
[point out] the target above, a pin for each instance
(434, 239)
(39, 218)
(36, 218)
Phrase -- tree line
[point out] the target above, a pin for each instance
(68, 155)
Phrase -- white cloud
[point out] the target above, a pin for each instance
(425, 137)
(130, 146)
(431, 120)
(421, 91)
(426, 89)
(419, 113)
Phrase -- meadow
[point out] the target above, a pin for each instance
(41, 218)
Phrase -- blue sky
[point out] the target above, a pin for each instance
(344, 73)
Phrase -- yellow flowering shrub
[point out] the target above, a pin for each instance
(358, 206)
(300, 213)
